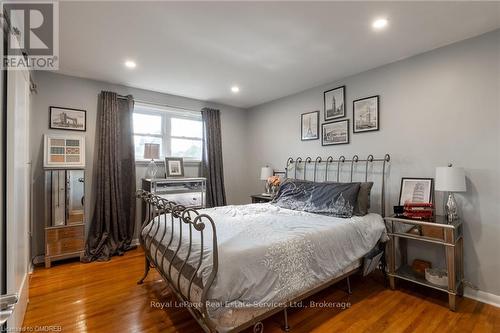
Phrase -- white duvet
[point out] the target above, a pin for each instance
(269, 254)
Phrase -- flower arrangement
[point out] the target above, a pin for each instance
(273, 184)
(274, 181)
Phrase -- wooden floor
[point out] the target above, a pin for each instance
(104, 297)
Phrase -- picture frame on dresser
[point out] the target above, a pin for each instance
(365, 114)
(67, 119)
(64, 151)
(309, 126)
(334, 103)
(174, 167)
(335, 133)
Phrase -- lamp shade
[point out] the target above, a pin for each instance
(151, 151)
(450, 179)
(265, 173)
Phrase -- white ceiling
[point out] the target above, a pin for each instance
(269, 50)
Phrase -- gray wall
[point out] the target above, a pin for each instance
(438, 107)
(72, 92)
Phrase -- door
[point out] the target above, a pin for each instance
(17, 192)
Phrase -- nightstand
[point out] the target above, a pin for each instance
(439, 231)
(259, 198)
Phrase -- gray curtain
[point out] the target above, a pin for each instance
(112, 225)
(212, 158)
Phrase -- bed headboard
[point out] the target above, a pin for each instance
(331, 169)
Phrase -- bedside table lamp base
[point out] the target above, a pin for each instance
(451, 208)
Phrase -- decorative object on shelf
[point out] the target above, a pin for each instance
(151, 152)
(450, 179)
(67, 119)
(334, 103)
(335, 133)
(365, 114)
(418, 210)
(64, 151)
(419, 266)
(437, 276)
(174, 167)
(274, 183)
(399, 210)
(265, 173)
(416, 190)
(309, 126)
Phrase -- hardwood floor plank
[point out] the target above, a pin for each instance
(104, 297)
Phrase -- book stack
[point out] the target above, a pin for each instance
(418, 210)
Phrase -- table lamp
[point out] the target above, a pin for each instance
(450, 179)
(151, 152)
(265, 173)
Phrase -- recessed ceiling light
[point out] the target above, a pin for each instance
(130, 64)
(235, 89)
(379, 24)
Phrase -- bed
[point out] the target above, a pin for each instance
(237, 265)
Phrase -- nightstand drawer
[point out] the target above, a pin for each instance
(56, 234)
(63, 246)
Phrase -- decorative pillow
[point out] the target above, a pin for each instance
(363, 202)
(334, 199)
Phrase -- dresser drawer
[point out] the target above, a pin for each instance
(66, 245)
(190, 199)
(56, 234)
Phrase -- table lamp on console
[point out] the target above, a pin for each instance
(450, 179)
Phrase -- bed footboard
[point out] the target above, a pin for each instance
(171, 217)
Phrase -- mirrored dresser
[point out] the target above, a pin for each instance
(64, 214)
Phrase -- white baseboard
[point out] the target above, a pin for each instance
(482, 296)
(17, 317)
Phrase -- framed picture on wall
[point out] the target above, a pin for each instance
(416, 190)
(174, 167)
(309, 126)
(67, 119)
(335, 133)
(365, 114)
(64, 151)
(334, 103)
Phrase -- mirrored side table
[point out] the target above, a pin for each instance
(438, 231)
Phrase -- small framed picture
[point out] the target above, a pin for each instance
(334, 102)
(174, 167)
(365, 114)
(335, 133)
(416, 190)
(309, 126)
(67, 119)
(64, 151)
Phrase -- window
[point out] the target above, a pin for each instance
(178, 132)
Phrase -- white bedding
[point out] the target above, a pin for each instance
(269, 254)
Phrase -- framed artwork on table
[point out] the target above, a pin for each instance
(416, 190)
(365, 114)
(174, 167)
(67, 119)
(309, 126)
(335, 133)
(334, 103)
(64, 151)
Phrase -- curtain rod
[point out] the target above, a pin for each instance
(158, 104)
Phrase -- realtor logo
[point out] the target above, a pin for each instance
(33, 35)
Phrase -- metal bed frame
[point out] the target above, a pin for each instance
(169, 212)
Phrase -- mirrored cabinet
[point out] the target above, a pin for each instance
(64, 214)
